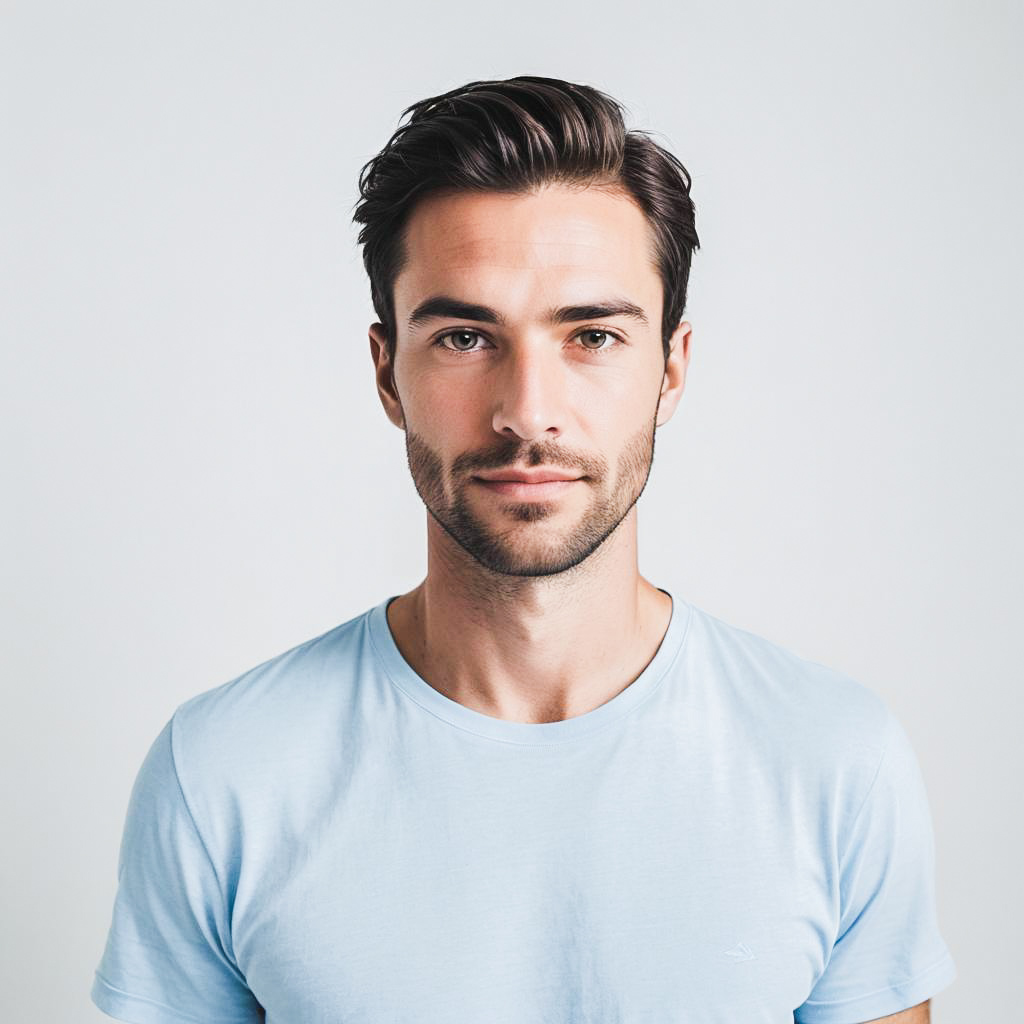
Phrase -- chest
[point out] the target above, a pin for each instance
(600, 896)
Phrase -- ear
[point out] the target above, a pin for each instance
(674, 380)
(385, 373)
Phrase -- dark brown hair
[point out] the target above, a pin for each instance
(513, 136)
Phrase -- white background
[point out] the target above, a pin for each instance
(199, 475)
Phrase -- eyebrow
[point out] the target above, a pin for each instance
(439, 306)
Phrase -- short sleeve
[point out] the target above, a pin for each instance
(168, 956)
(888, 954)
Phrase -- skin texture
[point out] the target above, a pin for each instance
(920, 1014)
(531, 610)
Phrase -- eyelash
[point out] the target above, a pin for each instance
(585, 330)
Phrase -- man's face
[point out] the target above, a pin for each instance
(523, 382)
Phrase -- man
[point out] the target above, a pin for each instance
(537, 787)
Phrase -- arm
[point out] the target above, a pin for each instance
(888, 952)
(168, 956)
(920, 1014)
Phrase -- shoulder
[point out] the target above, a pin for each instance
(777, 698)
(274, 709)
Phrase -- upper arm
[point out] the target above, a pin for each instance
(888, 951)
(168, 956)
(920, 1014)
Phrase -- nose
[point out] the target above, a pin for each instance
(530, 394)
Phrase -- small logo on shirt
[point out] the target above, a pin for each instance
(739, 953)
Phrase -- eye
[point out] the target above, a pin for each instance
(602, 335)
(467, 336)
(460, 336)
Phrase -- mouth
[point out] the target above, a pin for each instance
(523, 490)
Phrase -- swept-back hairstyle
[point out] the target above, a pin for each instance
(512, 136)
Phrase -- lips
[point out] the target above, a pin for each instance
(541, 476)
(542, 484)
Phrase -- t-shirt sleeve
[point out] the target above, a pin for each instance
(168, 957)
(888, 953)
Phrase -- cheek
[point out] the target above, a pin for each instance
(442, 409)
(616, 409)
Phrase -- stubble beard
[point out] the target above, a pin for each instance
(511, 550)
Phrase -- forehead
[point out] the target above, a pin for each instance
(559, 238)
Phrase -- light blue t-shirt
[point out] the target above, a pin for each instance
(739, 836)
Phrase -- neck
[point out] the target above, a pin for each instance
(531, 649)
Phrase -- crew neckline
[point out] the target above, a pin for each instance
(417, 689)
